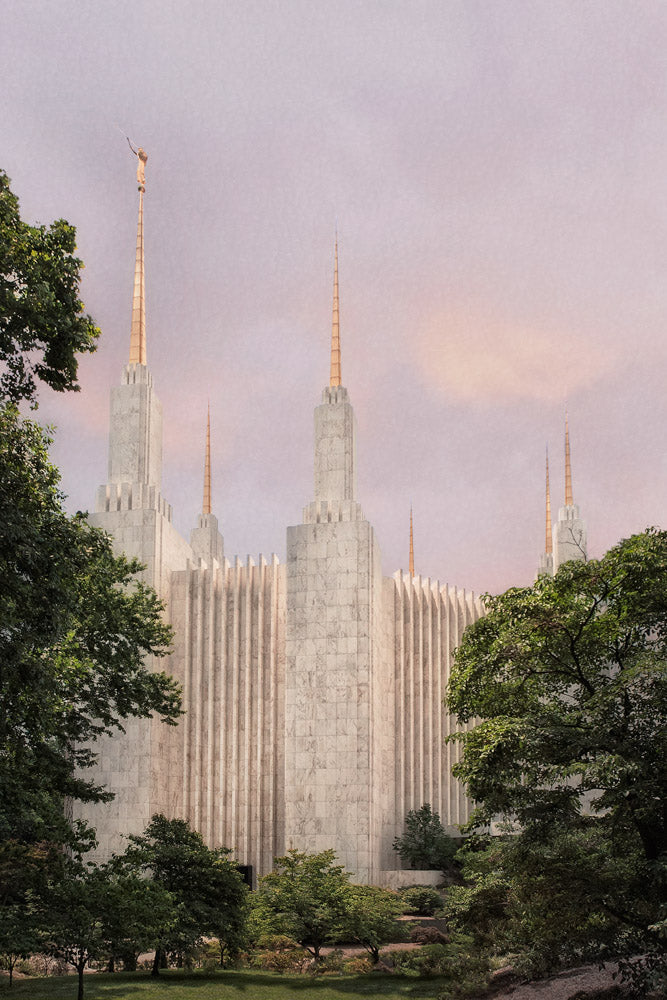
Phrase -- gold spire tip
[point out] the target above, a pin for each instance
(568, 466)
(412, 547)
(335, 378)
(206, 505)
(138, 330)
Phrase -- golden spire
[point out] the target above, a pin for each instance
(549, 542)
(138, 333)
(335, 328)
(568, 469)
(206, 506)
(412, 547)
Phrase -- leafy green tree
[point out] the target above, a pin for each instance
(305, 898)
(134, 912)
(565, 687)
(72, 915)
(425, 843)
(42, 324)
(370, 918)
(208, 893)
(77, 629)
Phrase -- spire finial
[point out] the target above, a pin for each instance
(335, 378)
(568, 468)
(138, 332)
(548, 538)
(206, 505)
(412, 547)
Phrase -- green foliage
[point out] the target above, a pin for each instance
(420, 900)
(304, 898)
(565, 685)
(77, 628)
(425, 844)
(458, 959)
(42, 326)
(428, 935)
(208, 894)
(370, 918)
(72, 915)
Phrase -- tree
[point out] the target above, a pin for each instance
(370, 917)
(305, 897)
(72, 916)
(42, 324)
(425, 843)
(565, 687)
(208, 893)
(77, 628)
(134, 913)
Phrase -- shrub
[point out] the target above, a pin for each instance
(428, 935)
(358, 966)
(430, 960)
(283, 960)
(420, 900)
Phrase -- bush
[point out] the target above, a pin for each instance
(430, 960)
(328, 965)
(358, 966)
(428, 935)
(283, 960)
(420, 900)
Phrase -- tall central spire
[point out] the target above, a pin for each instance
(548, 543)
(568, 468)
(206, 505)
(412, 548)
(335, 378)
(138, 332)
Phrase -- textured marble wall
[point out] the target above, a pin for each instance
(429, 622)
(226, 760)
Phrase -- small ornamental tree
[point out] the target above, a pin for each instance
(370, 918)
(425, 844)
(305, 898)
(73, 916)
(208, 893)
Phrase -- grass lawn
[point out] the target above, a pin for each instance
(222, 986)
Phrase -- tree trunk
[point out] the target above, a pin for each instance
(80, 968)
(111, 967)
(155, 971)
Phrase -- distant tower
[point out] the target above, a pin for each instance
(569, 532)
(205, 539)
(131, 508)
(546, 567)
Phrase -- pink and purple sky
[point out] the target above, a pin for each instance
(497, 170)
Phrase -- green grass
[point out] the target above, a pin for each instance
(222, 986)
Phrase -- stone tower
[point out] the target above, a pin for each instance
(336, 683)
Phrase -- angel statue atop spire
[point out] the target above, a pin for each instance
(141, 165)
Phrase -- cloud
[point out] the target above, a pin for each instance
(474, 358)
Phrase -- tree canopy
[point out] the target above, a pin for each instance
(564, 685)
(42, 324)
(305, 898)
(77, 629)
(425, 843)
(209, 895)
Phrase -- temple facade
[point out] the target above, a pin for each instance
(312, 690)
